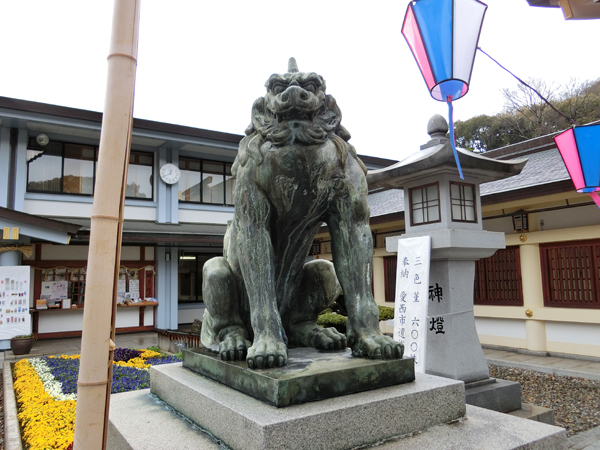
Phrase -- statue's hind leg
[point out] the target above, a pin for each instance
(319, 290)
(223, 330)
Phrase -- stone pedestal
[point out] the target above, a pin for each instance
(497, 395)
(345, 422)
(189, 412)
(310, 375)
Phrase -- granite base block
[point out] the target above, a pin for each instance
(310, 375)
(345, 422)
(140, 421)
(485, 429)
(480, 429)
(499, 395)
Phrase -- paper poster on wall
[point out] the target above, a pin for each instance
(134, 289)
(55, 289)
(122, 286)
(14, 301)
(412, 288)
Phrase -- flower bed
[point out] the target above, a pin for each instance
(46, 392)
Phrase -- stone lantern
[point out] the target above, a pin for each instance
(439, 204)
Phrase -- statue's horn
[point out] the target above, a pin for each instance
(292, 65)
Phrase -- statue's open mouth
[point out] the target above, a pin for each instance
(294, 114)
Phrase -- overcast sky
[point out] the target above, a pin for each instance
(203, 63)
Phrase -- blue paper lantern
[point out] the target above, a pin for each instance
(443, 37)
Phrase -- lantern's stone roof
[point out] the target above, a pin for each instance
(436, 157)
(439, 158)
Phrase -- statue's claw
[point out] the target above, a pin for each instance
(329, 339)
(233, 348)
(377, 347)
(266, 353)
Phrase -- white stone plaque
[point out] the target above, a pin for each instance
(412, 289)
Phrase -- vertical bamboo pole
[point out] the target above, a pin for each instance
(95, 372)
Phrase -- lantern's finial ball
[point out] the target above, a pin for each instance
(437, 127)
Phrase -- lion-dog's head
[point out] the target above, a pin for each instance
(295, 111)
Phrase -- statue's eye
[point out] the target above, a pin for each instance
(310, 87)
(278, 89)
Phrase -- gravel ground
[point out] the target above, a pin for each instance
(575, 401)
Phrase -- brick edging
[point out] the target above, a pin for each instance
(12, 432)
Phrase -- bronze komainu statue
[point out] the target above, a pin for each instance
(294, 171)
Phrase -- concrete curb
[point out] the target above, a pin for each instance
(12, 432)
(545, 369)
(589, 439)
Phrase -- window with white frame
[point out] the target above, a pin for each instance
(205, 181)
(462, 198)
(68, 168)
(425, 204)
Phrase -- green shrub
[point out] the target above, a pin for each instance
(386, 313)
(336, 321)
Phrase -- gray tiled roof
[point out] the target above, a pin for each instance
(542, 168)
(386, 202)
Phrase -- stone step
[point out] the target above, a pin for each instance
(534, 412)
(349, 421)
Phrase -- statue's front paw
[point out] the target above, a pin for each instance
(377, 347)
(233, 348)
(266, 353)
(328, 339)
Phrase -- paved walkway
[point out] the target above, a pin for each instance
(589, 440)
(568, 367)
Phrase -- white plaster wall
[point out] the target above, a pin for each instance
(31, 278)
(188, 315)
(80, 252)
(72, 319)
(58, 208)
(130, 253)
(192, 216)
(140, 212)
(128, 317)
(149, 316)
(502, 224)
(568, 218)
(501, 327)
(59, 252)
(63, 320)
(573, 333)
(149, 253)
